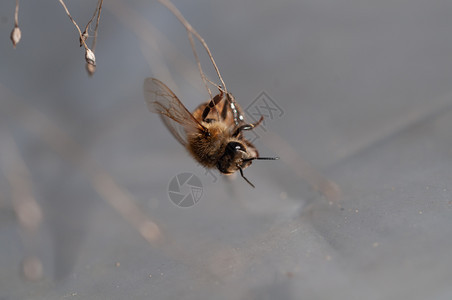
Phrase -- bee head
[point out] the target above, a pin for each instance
(235, 157)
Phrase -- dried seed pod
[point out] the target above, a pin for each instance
(16, 34)
(90, 57)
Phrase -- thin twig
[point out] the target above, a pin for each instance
(192, 31)
(152, 41)
(90, 58)
(198, 62)
(90, 67)
(16, 14)
(97, 24)
(73, 22)
(85, 32)
(219, 87)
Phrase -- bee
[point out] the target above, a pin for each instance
(213, 137)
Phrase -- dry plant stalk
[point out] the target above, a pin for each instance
(85, 32)
(152, 41)
(192, 32)
(76, 26)
(99, 9)
(90, 68)
(16, 34)
(90, 58)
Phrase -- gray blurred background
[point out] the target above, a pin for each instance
(358, 207)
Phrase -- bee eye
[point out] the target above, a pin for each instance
(234, 147)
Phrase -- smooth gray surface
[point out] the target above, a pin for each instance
(366, 91)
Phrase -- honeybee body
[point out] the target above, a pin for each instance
(213, 136)
(209, 149)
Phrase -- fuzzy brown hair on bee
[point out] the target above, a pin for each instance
(213, 136)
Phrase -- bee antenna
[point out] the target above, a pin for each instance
(246, 179)
(261, 158)
(267, 158)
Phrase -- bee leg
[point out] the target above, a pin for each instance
(212, 103)
(224, 110)
(247, 127)
(246, 179)
(258, 122)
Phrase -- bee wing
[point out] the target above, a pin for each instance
(160, 99)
